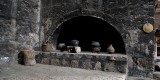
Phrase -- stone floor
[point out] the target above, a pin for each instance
(50, 72)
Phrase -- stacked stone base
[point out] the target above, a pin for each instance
(85, 60)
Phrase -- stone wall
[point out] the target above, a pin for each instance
(126, 16)
(22, 22)
(7, 31)
(28, 24)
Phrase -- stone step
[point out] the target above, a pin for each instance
(50, 72)
(86, 60)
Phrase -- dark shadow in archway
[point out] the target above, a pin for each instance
(87, 29)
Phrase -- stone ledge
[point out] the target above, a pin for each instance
(85, 60)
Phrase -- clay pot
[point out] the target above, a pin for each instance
(47, 47)
(95, 49)
(110, 49)
(74, 43)
(44, 47)
(95, 44)
(61, 46)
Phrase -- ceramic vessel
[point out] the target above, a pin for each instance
(62, 47)
(95, 44)
(110, 49)
(74, 43)
(95, 49)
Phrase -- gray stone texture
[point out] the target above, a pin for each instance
(156, 75)
(74, 63)
(98, 66)
(126, 16)
(85, 60)
(28, 23)
(19, 27)
(23, 26)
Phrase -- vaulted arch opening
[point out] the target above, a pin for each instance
(87, 29)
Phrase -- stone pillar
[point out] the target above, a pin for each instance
(19, 28)
(28, 23)
(7, 31)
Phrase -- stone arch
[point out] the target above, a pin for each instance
(53, 32)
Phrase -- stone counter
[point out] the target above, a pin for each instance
(85, 60)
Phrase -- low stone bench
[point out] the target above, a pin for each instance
(85, 60)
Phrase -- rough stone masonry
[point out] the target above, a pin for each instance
(24, 24)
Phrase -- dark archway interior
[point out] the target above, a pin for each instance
(87, 29)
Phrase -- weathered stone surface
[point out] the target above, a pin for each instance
(144, 64)
(5, 8)
(45, 61)
(86, 64)
(110, 67)
(20, 22)
(74, 63)
(64, 62)
(28, 17)
(156, 75)
(85, 60)
(139, 78)
(122, 69)
(55, 62)
(98, 66)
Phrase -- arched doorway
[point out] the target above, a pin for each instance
(87, 29)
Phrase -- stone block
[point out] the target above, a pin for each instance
(45, 61)
(98, 66)
(145, 63)
(65, 63)
(110, 67)
(55, 62)
(122, 69)
(5, 8)
(156, 75)
(74, 63)
(86, 64)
